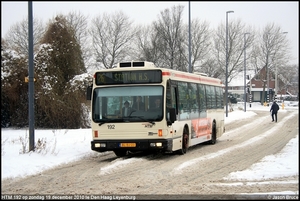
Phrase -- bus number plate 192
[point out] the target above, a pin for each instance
(127, 145)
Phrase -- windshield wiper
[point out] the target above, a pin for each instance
(141, 117)
(109, 120)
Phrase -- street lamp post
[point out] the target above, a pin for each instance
(267, 77)
(267, 80)
(275, 96)
(267, 69)
(190, 54)
(226, 74)
(245, 97)
(276, 75)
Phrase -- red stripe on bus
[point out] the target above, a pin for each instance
(166, 73)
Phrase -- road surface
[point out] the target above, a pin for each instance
(200, 172)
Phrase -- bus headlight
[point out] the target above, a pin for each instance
(156, 144)
(98, 145)
(159, 144)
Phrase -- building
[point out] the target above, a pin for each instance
(257, 86)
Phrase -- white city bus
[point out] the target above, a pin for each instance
(191, 112)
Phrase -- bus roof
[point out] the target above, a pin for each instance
(169, 73)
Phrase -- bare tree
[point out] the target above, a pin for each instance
(201, 44)
(273, 52)
(112, 36)
(79, 23)
(170, 33)
(288, 78)
(236, 46)
(209, 68)
(17, 36)
(146, 44)
(165, 42)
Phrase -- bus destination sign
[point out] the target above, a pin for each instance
(128, 77)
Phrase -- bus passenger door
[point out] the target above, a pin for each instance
(171, 102)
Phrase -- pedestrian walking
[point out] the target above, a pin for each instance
(274, 109)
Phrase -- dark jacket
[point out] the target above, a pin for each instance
(139, 106)
(274, 108)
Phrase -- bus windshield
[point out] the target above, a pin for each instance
(127, 104)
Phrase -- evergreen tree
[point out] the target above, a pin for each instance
(57, 63)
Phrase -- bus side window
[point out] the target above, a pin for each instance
(169, 95)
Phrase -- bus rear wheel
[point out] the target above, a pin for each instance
(213, 134)
(120, 153)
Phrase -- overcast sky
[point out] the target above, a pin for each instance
(254, 13)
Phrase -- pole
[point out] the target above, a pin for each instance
(267, 78)
(31, 78)
(190, 55)
(275, 97)
(250, 92)
(245, 96)
(267, 68)
(226, 74)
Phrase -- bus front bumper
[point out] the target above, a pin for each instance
(132, 145)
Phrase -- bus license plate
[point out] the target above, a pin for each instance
(127, 145)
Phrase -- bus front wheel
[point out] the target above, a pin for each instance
(185, 142)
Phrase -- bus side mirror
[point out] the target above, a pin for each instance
(171, 116)
(89, 92)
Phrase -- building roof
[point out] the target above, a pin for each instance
(239, 79)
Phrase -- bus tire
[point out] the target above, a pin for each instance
(213, 133)
(185, 142)
(120, 152)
